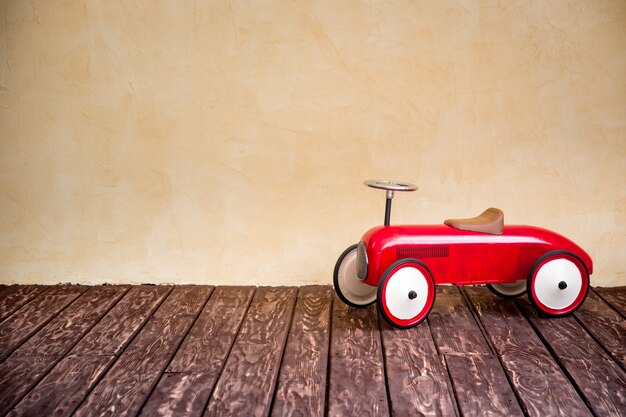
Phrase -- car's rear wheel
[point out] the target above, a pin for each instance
(558, 283)
(509, 289)
(348, 286)
(406, 293)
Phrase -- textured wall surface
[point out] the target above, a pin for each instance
(226, 141)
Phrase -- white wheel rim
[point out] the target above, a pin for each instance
(350, 285)
(511, 288)
(547, 281)
(397, 290)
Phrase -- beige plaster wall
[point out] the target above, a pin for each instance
(226, 142)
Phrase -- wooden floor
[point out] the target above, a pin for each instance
(245, 351)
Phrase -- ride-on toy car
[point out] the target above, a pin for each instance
(399, 266)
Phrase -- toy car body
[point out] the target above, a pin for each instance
(399, 266)
(463, 257)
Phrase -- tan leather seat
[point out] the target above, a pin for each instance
(490, 221)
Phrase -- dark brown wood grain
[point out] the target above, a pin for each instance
(542, 388)
(70, 380)
(480, 386)
(453, 326)
(420, 388)
(166, 329)
(540, 384)
(407, 344)
(13, 372)
(565, 336)
(505, 326)
(193, 351)
(180, 394)
(418, 382)
(247, 382)
(601, 381)
(191, 375)
(62, 390)
(15, 296)
(312, 311)
(208, 342)
(615, 296)
(183, 302)
(126, 386)
(605, 325)
(357, 377)
(31, 317)
(271, 307)
(56, 338)
(116, 329)
(61, 333)
(301, 388)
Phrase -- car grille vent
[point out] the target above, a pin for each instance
(421, 252)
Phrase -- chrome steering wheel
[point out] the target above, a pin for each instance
(390, 185)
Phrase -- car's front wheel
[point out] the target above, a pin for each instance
(406, 293)
(558, 283)
(348, 286)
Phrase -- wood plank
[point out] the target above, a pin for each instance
(505, 326)
(603, 384)
(184, 301)
(52, 396)
(571, 366)
(421, 387)
(418, 382)
(605, 325)
(180, 394)
(453, 326)
(536, 377)
(478, 380)
(14, 297)
(481, 387)
(185, 388)
(31, 317)
(541, 386)
(207, 345)
(62, 333)
(25, 367)
(407, 344)
(312, 310)
(110, 335)
(55, 339)
(601, 381)
(127, 385)
(262, 312)
(565, 336)
(247, 382)
(301, 388)
(357, 376)
(615, 296)
(74, 376)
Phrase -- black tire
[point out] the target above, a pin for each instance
(531, 275)
(336, 280)
(380, 296)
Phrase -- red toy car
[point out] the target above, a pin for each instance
(400, 266)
